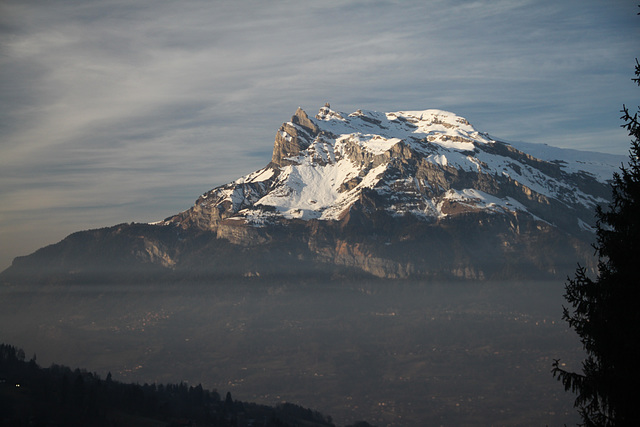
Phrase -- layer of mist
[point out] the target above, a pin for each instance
(395, 354)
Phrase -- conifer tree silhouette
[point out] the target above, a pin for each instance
(604, 311)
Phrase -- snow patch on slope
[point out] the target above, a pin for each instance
(481, 200)
(599, 165)
(308, 191)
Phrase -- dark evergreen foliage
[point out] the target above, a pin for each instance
(604, 311)
(34, 396)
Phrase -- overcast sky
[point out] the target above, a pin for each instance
(116, 111)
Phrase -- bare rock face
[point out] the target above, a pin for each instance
(403, 195)
(293, 137)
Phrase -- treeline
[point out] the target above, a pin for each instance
(59, 396)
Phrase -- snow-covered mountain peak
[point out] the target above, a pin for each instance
(430, 164)
(438, 127)
(406, 194)
(326, 113)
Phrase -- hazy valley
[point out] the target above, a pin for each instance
(392, 354)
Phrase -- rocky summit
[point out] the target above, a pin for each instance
(400, 195)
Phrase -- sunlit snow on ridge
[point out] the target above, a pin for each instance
(481, 200)
(343, 154)
(600, 165)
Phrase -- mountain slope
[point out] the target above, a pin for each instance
(410, 194)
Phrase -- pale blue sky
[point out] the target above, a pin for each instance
(118, 110)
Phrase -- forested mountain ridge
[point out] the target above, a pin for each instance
(400, 195)
(58, 395)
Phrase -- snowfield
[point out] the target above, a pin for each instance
(340, 155)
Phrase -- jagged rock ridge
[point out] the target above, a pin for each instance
(409, 194)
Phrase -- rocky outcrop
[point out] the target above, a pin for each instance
(292, 138)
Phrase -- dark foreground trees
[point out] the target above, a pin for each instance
(605, 311)
(58, 396)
